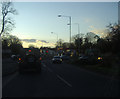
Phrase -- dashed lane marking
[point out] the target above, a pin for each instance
(47, 67)
(68, 84)
(64, 81)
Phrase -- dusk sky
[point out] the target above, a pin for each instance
(36, 20)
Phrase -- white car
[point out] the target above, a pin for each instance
(56, 59)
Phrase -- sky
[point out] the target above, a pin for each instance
(36, 20)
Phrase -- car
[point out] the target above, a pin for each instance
(15, 57)
(91, 56)
(65, 57)
(56, 59)
(29, 62)
(89, 59)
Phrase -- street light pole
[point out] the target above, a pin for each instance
(69, 23)
(70, 28)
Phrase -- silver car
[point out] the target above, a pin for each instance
(56, 59)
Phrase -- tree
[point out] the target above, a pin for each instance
(91, 37)
(13, 43)
(78, 41)
(4, 43)
(59, 43)
(115, 37)
(7, 22)
(65, 45)
(103, 45)
(31, 46)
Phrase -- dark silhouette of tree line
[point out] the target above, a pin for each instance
(13, 43)
(9, 41)
(110, 43)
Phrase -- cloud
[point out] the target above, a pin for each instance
(100, 32)
(29, 40)
(34, 41)
(43, 41)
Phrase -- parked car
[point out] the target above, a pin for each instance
(15, 57)
(56, 59)
(29, 62)
(90, 59)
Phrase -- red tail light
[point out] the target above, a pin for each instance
(19, 59)
(40, 58)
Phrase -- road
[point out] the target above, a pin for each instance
(60, 80)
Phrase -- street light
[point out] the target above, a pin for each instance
(55, 34)
(68, 24)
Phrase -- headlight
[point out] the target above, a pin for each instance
(99, 58)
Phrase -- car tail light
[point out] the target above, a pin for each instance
(40, 58)
(19, 59)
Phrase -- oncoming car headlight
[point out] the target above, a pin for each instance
(99, 58)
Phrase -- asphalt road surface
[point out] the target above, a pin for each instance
(60, 80)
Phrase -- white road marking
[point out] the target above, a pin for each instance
(57, 76)
(47, 67)
(64, 81)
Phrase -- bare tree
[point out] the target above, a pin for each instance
(7, 22)
(59, 42)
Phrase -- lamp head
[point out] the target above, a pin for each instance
(59, 15)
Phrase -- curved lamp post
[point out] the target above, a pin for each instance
(68, 24)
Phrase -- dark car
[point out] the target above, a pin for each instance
(56, 59)
(90, 59)
(91, 56)
(15, 57)
(29, 62)
(65, 57)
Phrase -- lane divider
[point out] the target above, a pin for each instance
(68, 84)
(50, 70)
(59, 77)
